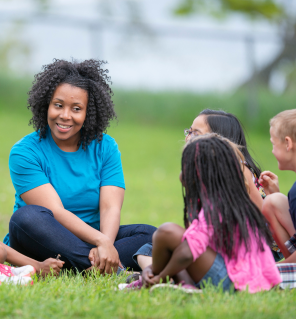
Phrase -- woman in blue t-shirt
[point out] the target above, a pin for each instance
(68, 175)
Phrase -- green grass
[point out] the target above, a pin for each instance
(96, 297)
(150, 138)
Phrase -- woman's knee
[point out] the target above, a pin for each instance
(150, 230)
(146, 230)
(28, 216)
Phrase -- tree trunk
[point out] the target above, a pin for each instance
(288, 53)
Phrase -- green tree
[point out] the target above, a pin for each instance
(280, 13)
(15, 52)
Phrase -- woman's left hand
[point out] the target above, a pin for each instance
(95, 259)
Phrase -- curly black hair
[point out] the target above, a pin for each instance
(87, 75)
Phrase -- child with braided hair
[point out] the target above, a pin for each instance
(228, 125)
(226, 236)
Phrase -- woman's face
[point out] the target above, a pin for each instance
(198, 127)
(66, 114)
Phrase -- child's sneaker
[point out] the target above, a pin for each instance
(133, 277)
(21, 275)
(189, 289)
(25, 271)
(16, 280)
(134, 285)
(6, 270)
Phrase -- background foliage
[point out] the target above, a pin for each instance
(149, 133)
(150, 136)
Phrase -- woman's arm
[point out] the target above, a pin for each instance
(46, 196)
(253, 191)
(111, 199)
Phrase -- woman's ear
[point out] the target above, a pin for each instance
(289, 143)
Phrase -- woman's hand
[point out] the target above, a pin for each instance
(49, 265)
(105, 257)
(269, 182)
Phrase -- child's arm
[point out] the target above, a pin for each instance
(290, 260)
(269, 182)
(181, 259)
(3, 254)
(253, 191)
(18, 259)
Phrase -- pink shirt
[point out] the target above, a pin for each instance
(255, 269)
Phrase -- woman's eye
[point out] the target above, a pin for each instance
(58, 105)
(76, 109)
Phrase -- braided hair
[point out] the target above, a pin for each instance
(229, 126)
(87, 75)
(213, 179)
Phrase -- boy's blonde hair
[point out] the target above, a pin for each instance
(284, 124)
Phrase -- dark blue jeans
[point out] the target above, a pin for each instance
(34, 232)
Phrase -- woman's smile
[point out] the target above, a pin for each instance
(66, 115)
(64, 128)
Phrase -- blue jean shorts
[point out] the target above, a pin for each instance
(145, 250)
(217, 274)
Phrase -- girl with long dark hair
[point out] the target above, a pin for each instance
(226, 236)
(228, 125)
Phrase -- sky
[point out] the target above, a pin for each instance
(199, 53)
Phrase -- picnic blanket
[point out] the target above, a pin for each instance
(288, 274)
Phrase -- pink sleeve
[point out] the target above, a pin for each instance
(198, 236)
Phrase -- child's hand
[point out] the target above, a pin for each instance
(147, 277)
(49, 265)
(269, 181)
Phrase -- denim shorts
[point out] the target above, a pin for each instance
(217, 275)
(145, 250)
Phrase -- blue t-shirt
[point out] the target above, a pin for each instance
(76, 176)
(292, 203)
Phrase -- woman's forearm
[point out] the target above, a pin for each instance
(78, 227)
(110, 221)
(111, 199)
(46, 196)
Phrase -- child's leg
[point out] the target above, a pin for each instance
(3, 253)
(276, 211)
(165, 240)
(144, 261)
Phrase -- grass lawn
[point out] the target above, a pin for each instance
(77, 297)
(151, 157)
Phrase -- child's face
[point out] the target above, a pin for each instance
(198, 127)
(280, 150)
